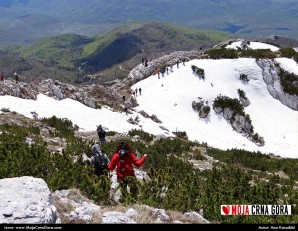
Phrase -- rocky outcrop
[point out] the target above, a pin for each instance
(241, 124)
(274, 87)
(49, 87)
(26, 200)
(140, 72)
(201, 107)
(204, 112)
(114, 217)
(245, 101)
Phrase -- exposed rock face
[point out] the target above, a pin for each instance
(79, 208)
(204, 112)
(275, 89)
(245, 102)
(47, 87)
(242, 126)
(227, 113)
(26, 200)
(202, 107)
(218, 109)
(116, 218)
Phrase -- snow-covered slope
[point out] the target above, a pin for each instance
(171, 96)
(253, 46)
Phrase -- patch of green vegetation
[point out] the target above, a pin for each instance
(232, 104)
(174, 183)
(289, 81)
(24, 131)
(257, 161)
(62, 49)
(124, 44)
(241, 94)
(224, 53)
(143, 135)
(64, 127)
(287, 52)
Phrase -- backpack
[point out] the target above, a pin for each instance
(123, 153)
(101, 160)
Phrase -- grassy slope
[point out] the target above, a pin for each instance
(63, 49)
(120, 45)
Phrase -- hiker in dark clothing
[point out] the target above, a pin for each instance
(146, 62)
(167, 70)
(1, 77)
(101, 134)
(125, 110)
(16, 75)
(99, 160)
(140, 91)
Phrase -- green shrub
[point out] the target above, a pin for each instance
(222, 54)
(142, 134)
(206, 109)
(232, 104)
(295, 57)
(241, 94)
(289, 81)
(111, 133)
(181, 135)
(5, 109)
(244, 77)
(287, 52)
(197, 106)
(64, 127)
(198, 71)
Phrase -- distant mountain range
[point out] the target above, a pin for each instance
(24, 21)
(109, 56)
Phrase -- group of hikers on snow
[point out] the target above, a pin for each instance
(123, 160)
(165, 69)
(135, 92)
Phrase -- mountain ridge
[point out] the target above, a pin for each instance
(241, 18)
(108, 57)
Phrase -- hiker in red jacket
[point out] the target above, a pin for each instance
(123, 160)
